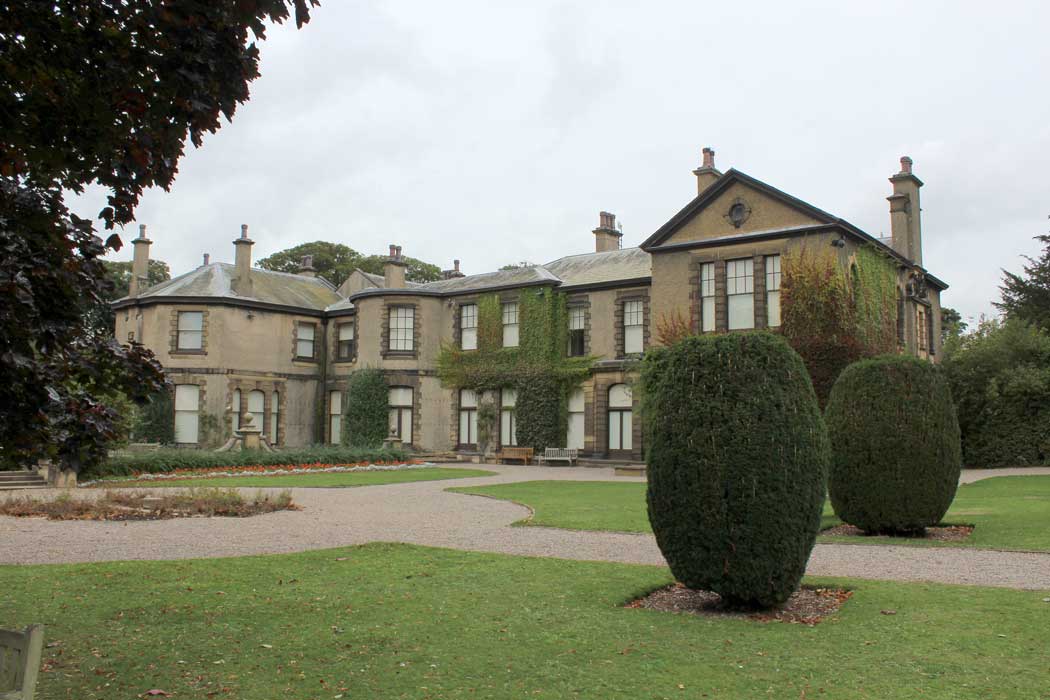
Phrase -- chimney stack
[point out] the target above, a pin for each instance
(905, 213)
(242, 280)
(140, 264)
(306, 267)
(207, 260)
(706, 174)
(394, 269)
(453, 273)
(606, 236)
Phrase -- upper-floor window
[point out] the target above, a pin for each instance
(772, 291)
(510, 324)
(740, 292)
(707, 297)
(345, 349)
(633, 325)
(577, 322)
(304, 341)
(191, 330)
(468, 326)
(402, 325)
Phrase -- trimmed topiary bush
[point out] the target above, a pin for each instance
(540, 412)
(737, 461)
(365, 413)
(895, 445)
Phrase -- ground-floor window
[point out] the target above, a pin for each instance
(187, 413)
(335, 417)
(575, 435)
(508, 426)
(275, 408)
(256, 407)
(468, 418)
(235, 410)
(400, 413)
(621, 420)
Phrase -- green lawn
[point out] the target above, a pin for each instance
(398, 621)
(1008, 512)
(318, 480)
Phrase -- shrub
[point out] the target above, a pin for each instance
(895, 445)
(737, 461)
(167, 460)
(1000, 381)
(154, 420)
(365, 410)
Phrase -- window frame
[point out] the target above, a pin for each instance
(345, 349)
(180, 332)
(335, 419)
(774, 278)
(395, 312)
(400, 410)
(707, 297)
(508, 422)
(577, 336)
(299, 340)
(195, 411)
(633, 319)
(470, 413)
(468, 314)
(617, 413)
(733, 283)
(512, 324)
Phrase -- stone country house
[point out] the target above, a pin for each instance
(236, 340)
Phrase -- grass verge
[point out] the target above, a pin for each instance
(399, 621)
(1008, 512)
(311, 480)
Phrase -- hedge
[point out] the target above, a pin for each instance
(365, 412)
(540, 412)
(896, 455)
(737, 461)
(167, 460)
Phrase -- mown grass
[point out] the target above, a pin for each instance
(1007, 512)
(399, 621)
(308, 480)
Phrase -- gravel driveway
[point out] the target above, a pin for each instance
(425, 513)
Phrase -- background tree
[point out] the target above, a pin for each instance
(952, 325)
(119, 275)
(523, 265)
(96, 93)
(1026, 297)
(335, 262)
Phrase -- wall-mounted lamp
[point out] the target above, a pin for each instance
(839, 242)
(251, 314)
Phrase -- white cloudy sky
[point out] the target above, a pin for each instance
(496, 133)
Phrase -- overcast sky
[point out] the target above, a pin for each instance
(496, 134)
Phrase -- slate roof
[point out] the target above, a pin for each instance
(601, 268)
(216, 281)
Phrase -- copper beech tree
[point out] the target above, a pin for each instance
(107, 93)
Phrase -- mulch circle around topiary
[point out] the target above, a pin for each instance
(947, 533)
(806, 606)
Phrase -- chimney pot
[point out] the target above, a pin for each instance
(207, 259)
(398, 249)
(142, 230)
(393, 250)
(244, 230)
(906, 164)
(708, 157)
(455, 265)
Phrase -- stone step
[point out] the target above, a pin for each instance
(19, 476)
(22, 485)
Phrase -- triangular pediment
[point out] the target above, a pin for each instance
(736, 204)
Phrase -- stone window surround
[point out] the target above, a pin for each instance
(600, 418)
(267, 387)
(458, 445)
(338, 323)
(584, 302)
(296, 357)
(174, 349)
(417, 335)
(457, 320)
(411, 380)
(201, 383)
(758, 258)
(637, 294)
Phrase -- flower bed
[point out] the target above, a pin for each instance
(259, 470)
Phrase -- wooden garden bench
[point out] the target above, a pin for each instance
(522, 453)
(560, 454)
(20, 662)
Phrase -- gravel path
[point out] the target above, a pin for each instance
(424, 513)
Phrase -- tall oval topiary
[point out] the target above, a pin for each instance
(896, 455)
(737, 462)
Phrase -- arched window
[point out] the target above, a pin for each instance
(468, 418)
(400, 406)
(235, 409)
(275, 414)
(621, 420)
